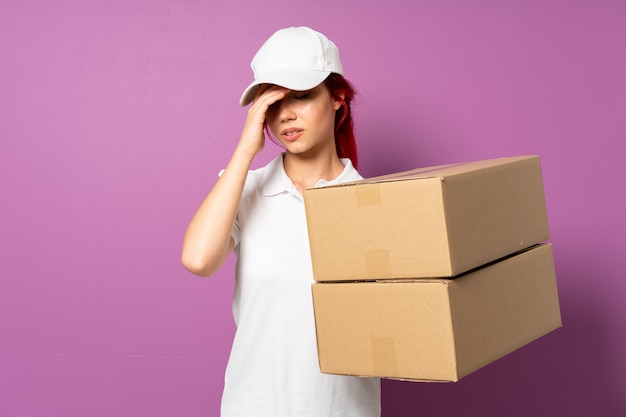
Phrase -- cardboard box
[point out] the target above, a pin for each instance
(436, 329)
(430, 222)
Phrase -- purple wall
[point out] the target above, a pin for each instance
(116, 115)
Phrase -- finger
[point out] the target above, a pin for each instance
(270, 92)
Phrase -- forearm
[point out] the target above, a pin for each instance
(207, 240)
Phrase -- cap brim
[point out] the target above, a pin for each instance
(293, 80)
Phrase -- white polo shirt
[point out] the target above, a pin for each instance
(273, 370)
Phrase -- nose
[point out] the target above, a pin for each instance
(286, 112)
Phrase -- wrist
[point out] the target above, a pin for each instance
(244, 154)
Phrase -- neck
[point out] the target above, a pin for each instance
(305, 172)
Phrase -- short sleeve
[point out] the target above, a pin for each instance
(234, 233)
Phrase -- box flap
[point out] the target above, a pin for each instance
(439, 171)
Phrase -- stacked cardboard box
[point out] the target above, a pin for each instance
(433, 273)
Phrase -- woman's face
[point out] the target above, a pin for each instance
(304, 121)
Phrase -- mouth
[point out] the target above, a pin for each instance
(291, 134)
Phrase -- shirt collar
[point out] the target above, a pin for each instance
(277, 180)
(348, 174)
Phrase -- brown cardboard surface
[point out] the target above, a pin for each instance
(429, 222)
(436, 329)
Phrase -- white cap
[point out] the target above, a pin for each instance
(297, 58)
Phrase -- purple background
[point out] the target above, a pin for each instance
(117, 115)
